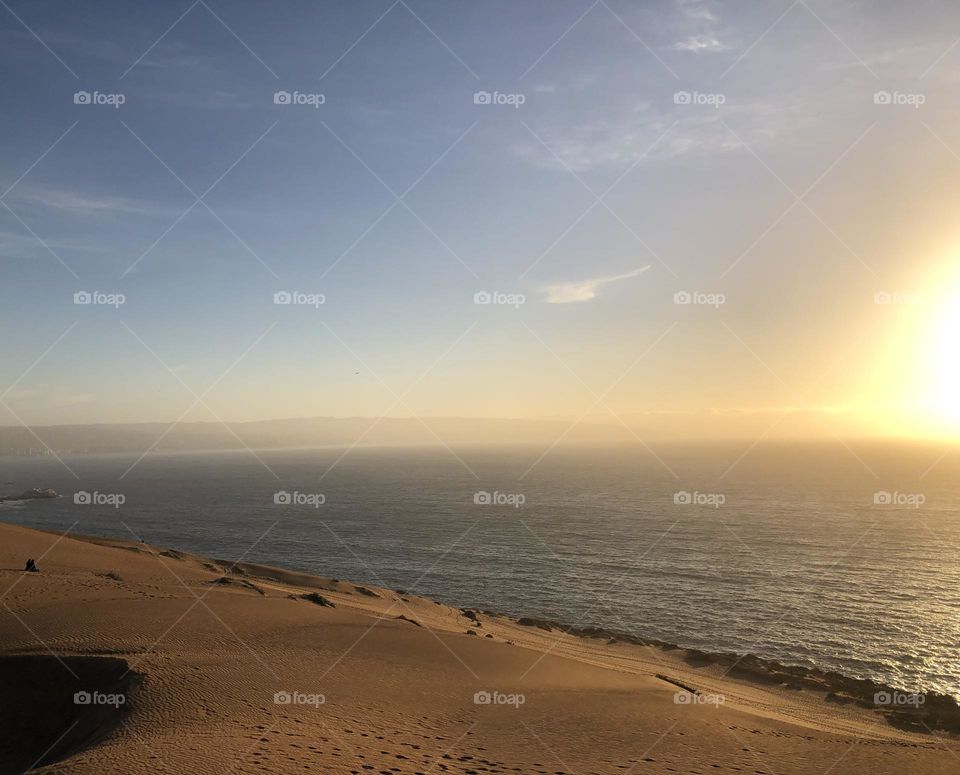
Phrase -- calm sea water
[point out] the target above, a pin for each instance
(786, 555)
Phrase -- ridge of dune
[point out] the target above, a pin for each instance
(244, 667)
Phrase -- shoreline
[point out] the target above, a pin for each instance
(935, 713)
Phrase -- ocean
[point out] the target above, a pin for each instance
(842, 556)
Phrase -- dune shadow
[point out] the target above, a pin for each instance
(47, 714)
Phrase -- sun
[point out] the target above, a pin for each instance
(946, 357)
(916, 386)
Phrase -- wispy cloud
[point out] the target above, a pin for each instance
(700, 44)
(697, 28)
(619, 141)
(694, 9)
(86, 204)
(665, 132)
(584, 290)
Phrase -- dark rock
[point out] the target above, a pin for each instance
(316, 597)
(31, 495)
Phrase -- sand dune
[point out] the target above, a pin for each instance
(256, 669)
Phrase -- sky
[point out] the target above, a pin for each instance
(640, 212)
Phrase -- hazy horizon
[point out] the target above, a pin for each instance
(687, 427)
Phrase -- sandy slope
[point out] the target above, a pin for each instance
(199, 663)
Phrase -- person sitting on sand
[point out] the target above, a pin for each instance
(31, 566)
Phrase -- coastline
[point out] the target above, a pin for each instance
(105, 599)
(938, 712)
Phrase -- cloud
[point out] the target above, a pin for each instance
(628, 138)
(583, 290)
(88, 205)
(664, 132)
(700, 43)
(696, 29)
(693, 9)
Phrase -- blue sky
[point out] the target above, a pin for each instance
(500, 201)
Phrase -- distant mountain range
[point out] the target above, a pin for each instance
(656, 427)
(301, 432)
